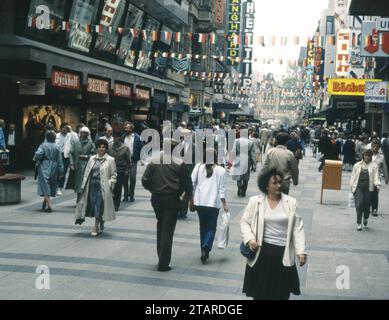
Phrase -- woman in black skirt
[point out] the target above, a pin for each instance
(271, 227)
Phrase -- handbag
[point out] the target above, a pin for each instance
(192, 206)
(245, 249)
(224, 230)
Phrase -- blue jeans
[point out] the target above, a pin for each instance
(208, 221)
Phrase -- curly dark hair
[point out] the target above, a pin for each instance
(100, 141)
(265, 176)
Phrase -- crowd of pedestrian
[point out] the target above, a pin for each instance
(99, 170)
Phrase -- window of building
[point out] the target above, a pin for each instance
(330, 26)
(111, 16)
(82, 13)
(44, 20)
(146, 48)
(134, 20)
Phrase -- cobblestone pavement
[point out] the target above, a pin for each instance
(121, 263)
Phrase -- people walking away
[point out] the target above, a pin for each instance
(98, 183)
(348, 152)
(188, 147)
(132, 140)
(324, 148)
(209, 185)
(364, 179)
(241, 162)
(121, 153)
(168, 182)
(294, 145)
(264, 135)
(257, 151)
(379, 159)
(271, 227)
(284, 161)
(80, 152)
(50, 169)
(361, 146)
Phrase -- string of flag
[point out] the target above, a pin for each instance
(211, 38)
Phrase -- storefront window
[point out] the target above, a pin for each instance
(111, 16)
(44, 20)
(145, 54)
(83, 12)
(160, 63)
(134, 20)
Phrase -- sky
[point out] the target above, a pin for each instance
(283, 18)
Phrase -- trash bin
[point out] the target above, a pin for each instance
(332, 176)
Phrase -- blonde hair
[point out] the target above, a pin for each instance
(2, 123)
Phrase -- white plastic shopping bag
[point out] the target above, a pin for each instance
(351, 201)
(223, 235)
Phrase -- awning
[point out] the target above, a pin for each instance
(178, 107)
(225, 106)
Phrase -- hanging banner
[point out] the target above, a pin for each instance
(219, 13)
(98, 86)
(376, 92)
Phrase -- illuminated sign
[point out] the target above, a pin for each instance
(65, 80)
(98, 86)
(234, 11)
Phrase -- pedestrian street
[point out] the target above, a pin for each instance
(121, 262)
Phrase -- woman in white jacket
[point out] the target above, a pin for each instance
(209, 185)
(364, 179)
(271, 227)
(98, 183)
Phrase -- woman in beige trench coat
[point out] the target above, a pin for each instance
(97, 189)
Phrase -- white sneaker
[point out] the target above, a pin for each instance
(359, 227)
(59, 192)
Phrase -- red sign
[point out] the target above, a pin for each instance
(65, 80)
(142, 94)
(98, 86)
(122, 90)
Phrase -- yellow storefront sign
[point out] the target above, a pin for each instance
(348, 87)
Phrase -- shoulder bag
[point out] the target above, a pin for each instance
(245, 249)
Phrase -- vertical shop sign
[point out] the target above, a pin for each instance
(234, 11)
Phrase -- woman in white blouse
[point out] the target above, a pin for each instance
(271, 227)
(209, 185)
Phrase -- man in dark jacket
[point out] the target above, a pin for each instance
(122, 156)
(132, 140)
(169, 182)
